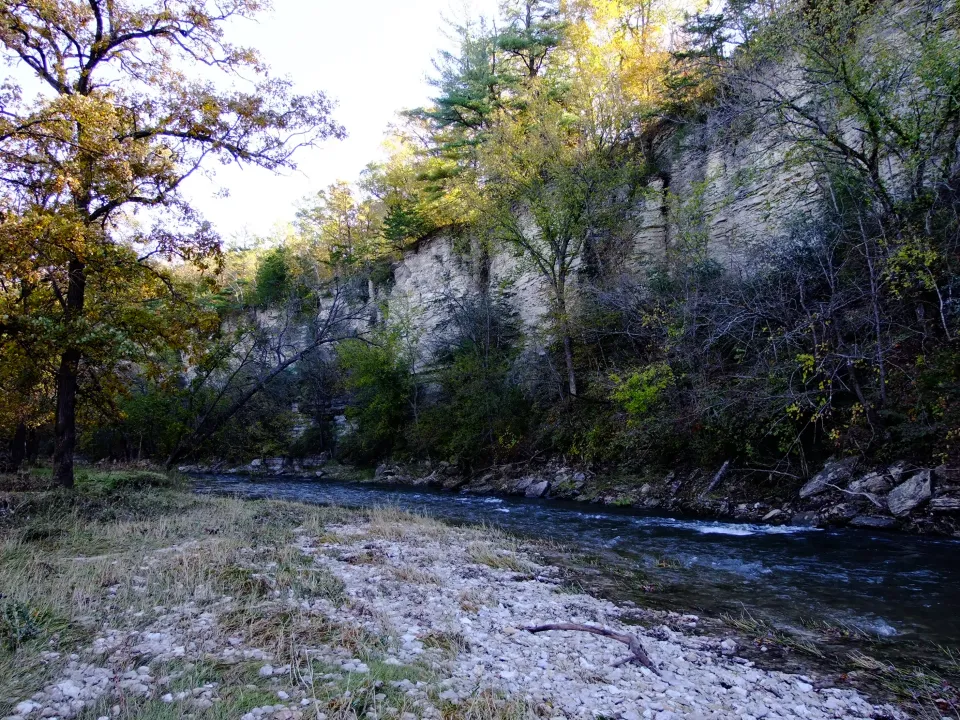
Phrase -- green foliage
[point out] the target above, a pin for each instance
(19, 623)
(404, 222)
(478, 414)
(273, 277)
(377, 374)
(643, 390)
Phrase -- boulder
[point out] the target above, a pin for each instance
(483, 489)
(839, 514)
(879, 522)
(538, 489)
(807, 518)
(453, 482)
(836, 472)
(772, 515)
(911, 494)
(897, 471)
(945, 505)
(873, 483)
(521, 485)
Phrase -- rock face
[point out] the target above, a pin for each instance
(911, 494)
(538, 489)
(833, 474)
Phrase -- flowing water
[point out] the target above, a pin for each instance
(886, 585)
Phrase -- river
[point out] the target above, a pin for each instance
(885, 585)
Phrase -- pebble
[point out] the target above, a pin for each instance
(473, 645)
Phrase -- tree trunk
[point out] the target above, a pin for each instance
(568, 358)
(66, 424)
(66, 419)
(18, 448)
(564, 326)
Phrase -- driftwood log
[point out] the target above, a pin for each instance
(639, 654)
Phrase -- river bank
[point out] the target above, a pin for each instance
(902, 497)
(126, 599)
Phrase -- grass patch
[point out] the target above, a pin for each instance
(765, 633)
(415, 575)
(497, 559)
(451, 643)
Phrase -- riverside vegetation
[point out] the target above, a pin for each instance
(584, 304)
(133, 598)
(830, 331)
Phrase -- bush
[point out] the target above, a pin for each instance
(377, 376)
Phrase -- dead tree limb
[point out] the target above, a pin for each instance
(869, 496)
(631, 641)
(717, 478)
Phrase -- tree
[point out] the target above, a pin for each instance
(345, 229)
(534, 29)
(121, 119)
(242, 361)
(554, 190)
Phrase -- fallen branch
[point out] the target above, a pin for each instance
(631, 641)
(716, 479)
(869, 496)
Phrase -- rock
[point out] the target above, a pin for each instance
(26, 707)
(897, 471)
(839, 514)
(315, 461)
(454, 482)
(911, 494)
(479, 489)
(807, 518)
(521, 485)
(879, 522)
(946, 475)
(772, 515)
(833, 473)
(538, 489)
(945, 505)
(874, 483)
(728, 647)
(384, 471)
(255, 463)
(69, 689)
(266, 671)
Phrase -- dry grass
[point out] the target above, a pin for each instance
(488, 705)
(497, 558)
(126, 548)
(415, 575)
(473, 600)
(450, 642)
(119, 550)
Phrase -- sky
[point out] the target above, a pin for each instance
(372, 56)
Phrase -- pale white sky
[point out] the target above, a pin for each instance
(372, 56)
